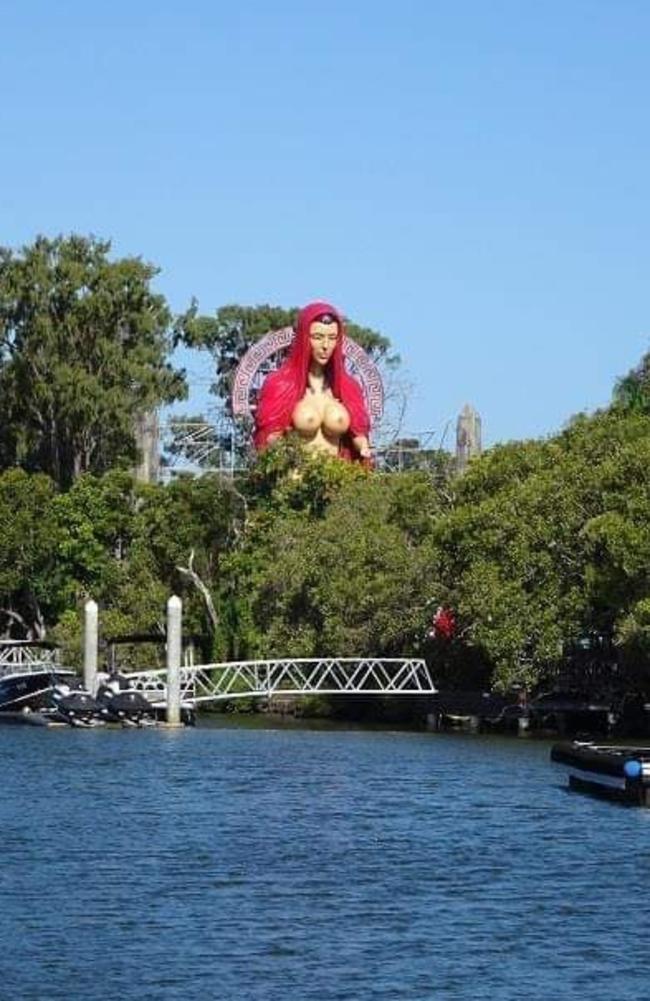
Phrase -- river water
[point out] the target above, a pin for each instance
(235, 862)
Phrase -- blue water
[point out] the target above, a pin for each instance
(253, 863)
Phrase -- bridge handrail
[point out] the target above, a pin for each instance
(228, 664)
(292, 676)
(298, 676)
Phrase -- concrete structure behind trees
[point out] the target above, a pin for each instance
(147, 438)
(468, 437)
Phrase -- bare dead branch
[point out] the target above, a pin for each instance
(16, 617)
(203, 590)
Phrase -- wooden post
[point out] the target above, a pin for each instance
(174, 640)
(91, 632)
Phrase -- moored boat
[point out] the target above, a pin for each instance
(69, 702)
(33, 682)
(620, 773)
(123, 704)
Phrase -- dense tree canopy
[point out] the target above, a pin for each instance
(83, 350)
(530, 549)
(541, 547)
(632, 391)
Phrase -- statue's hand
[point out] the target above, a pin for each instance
(362, 446)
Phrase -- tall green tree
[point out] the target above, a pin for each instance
(632, 391)
(331, 563)
(29, 543)
(84, 343)
(546, 544)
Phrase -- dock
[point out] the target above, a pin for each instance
(615, 772)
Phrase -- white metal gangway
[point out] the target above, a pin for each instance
(203, 683)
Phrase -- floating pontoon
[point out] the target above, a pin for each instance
(620, 773)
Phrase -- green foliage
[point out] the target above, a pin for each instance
(83, 351)
(94, 531)
(27, 552)
(632, 391)
(536, 547)
(287, 477)
(331, 566)
(229, 334)
(633, 637)
(547, 542)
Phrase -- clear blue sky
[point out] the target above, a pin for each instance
(470, 177)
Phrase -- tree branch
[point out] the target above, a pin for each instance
(16, 617)
(203, 589)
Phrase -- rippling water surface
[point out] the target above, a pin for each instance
(258, 863)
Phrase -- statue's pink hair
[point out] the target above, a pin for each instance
(284, 388)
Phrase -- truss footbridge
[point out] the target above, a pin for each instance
(205, 683)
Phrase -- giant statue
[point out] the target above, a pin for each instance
(312, 392)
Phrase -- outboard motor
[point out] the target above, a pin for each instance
(124, 705)
(74, 705)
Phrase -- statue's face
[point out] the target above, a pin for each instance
(323, 337)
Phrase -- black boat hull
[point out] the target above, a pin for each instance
(611, 772)
(31, 691)
(58, 696)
